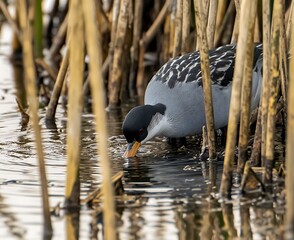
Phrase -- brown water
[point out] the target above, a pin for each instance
(172, 195)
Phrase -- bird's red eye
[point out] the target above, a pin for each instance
(141, 131)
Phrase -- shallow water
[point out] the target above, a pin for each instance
(171, 194)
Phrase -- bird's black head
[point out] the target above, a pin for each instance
(135, 125)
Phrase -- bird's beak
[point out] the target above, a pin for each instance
(132, 149)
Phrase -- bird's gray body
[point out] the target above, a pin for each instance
(179, 88)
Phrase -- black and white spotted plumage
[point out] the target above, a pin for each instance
(186, 68)
(177, 88)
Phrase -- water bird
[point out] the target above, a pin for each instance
(174, 104)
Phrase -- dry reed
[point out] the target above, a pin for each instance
(178, 29)
(145, 40)
(75, 103)
(211, 23)
(245, 14)
(11, 21)
(137, 32)
(96, 82)
(32, 98)
(204, 61)
(186, 26)
(266, 73)
(246, 94)
(236, 23)
(290, 150)
(273, 92)
(59, 38)
(51, 109)
(117, 64)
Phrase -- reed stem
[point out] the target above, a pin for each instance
(117, 64)
(96, 83)
(266, 73)
(10, 20)
(59, 38)
(146, 39)
(289, 27)
(273, 92)
(256, 148)
(186, 26)
(211, 23)
(137, 32)
(30, 77)
(246, 94)
(290, 150)
(236, 23)
(245, 14)
(51, 109)
(283, 59)
(178, 29)
(75, 103)
(204, 60)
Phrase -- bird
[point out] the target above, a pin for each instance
(174, 102)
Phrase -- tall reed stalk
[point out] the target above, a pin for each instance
(75, 103)
(93, 44)
(236, 23)
(245, 14)
(246, 94)
(273, 91)
(30, 85)
(144, 42)
(186, 26)
(204, 60)
(211, 23)
(117, 64)
(266, 19)
(137, 31)
(290, 149)
(178, 29)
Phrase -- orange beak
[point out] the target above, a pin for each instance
(132, 149)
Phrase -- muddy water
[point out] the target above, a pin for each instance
(171, 194)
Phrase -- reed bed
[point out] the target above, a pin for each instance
(129, 40)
